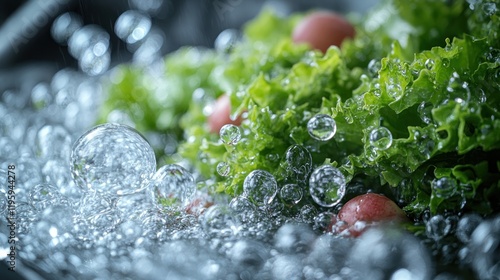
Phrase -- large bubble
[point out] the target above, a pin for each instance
(113, 159)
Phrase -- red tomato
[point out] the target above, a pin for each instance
(322, 30)
(220, 114)
(366, 210)
(198, 206)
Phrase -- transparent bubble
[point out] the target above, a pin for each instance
(458, 89)
(387, 253)
(322, 127)
(260, 187)
(243, 209)
(444, 187)
(50, 136)
(425, 112)
(307, 214)
(429, 64)
(95, 60)
(291, 193)
(226, 40)
(132, 26)
(323, 221)
(113, 159)
(485, 249)
(230, 134)
(327, 186)
(43, 195)
(438, 227)
(64, 26)
(294, 238)
(380, 138)
(374, 66)
(248, 255)
(41, 95)
(217, 221)
(223, 168)
(298, 160)
(150, 50)
(466, 226)
(90, 37)
(170, 184)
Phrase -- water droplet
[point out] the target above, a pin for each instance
(291, 193)
(64, 26)
(223, 168)
(458, 89)
(95, 60)
(429, 64)
(88, 37)
(50, 136)
(466, 226)
(260, 187)
(298, 160)
(380, 138)
(425, 112)
(171, 183)
(485, 249)
(322, 127)
(444, 187)
(132, 26)
(218, 222)
(323, 221)
(243, 209)
(294, 238)
(41, 96)
(230, 134)
(226, 40)
(374, 66)
(327, 186)
(113, 159)
(380, 253)
(438, 227)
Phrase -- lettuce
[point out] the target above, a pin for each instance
(429, 78)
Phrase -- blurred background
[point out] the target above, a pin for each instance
(38, 38)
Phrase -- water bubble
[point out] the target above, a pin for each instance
(171, 183)
(322, 127)
(444, 187)
(291, 193)
(226, 40)
(230, 134)
(41, 95)
(387, 253)
(88, 37)
(438, 227)
(95, 60)
(298, 160)
(64, 26)
(132, 26)
(429, 64)
(248, 256)
(113, 159)
(294, 238)
(374, 66)
(458, 89)
(50, 136)
(217, 221)
(223, 168)
(466, 226)
(425, 112)
(485, 249)
(323, 221)
(307, 214)
(327, 186)
(260, 187)
(243, 209)
(380, 138)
